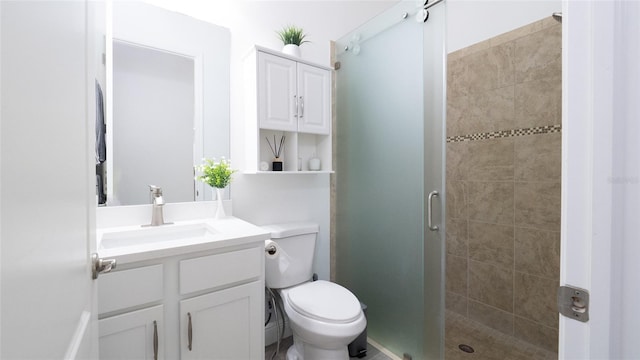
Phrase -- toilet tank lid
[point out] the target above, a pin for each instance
(283, 230)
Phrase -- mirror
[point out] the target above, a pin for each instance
(166, 103)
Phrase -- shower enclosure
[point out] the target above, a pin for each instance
(390, 175)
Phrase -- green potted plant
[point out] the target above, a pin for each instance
(218, 176)
(292, 37)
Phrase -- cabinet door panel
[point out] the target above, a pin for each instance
(225, 324)
(130, 336)
(314, 92)
(277, 102)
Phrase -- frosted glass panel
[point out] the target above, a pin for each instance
(383, 133)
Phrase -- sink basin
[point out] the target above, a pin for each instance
(165, 234)
(134, 243)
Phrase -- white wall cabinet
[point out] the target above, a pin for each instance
(216, 297)
(292, 98)
(314, 99)
(277, 93)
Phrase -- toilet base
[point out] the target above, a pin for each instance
(304, 351)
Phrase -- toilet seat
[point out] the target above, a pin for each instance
(324, 301)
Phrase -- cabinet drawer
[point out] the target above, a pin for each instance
(123, 289)
(217, 270)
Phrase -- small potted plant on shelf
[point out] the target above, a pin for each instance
(218, 176)
(292, 37)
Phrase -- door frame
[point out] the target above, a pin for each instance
(599, 151)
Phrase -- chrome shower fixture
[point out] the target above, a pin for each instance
(423, 14)
(354, 44)
(557, 16)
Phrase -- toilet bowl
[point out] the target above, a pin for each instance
(324, 317)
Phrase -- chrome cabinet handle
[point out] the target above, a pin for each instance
(295, 106)
(301, 107)
(155, 340)
(100, 265)
(189, 333)
(430, 211)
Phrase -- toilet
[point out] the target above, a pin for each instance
(324, 317)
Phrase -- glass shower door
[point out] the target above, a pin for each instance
(390, 146)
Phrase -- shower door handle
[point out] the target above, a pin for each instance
(430, 211)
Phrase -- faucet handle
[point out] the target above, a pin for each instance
(155, 190)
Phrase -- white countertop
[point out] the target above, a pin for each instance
(212, 234)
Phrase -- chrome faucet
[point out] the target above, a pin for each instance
(157, 202)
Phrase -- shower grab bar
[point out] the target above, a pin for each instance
(430, 211)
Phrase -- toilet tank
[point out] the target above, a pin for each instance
(293, 262)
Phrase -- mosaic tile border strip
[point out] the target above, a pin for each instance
(549, 129)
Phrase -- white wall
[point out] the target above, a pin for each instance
(472, 21)
(264, 199)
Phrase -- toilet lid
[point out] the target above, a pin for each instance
(326, 301)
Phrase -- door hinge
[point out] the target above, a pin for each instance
(573, 303)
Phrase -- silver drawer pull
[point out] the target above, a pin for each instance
(189, 333)
(301, 107)
(155, 340)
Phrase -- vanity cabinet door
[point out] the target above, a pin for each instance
(277, 97)
(225, 324)
(133, 335)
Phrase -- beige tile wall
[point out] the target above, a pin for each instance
(503, 191)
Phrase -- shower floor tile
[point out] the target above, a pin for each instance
(488, 343)
(372, 352)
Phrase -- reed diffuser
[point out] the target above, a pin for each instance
(276, 149)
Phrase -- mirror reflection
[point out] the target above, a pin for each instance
(158, 123)
(153, 124)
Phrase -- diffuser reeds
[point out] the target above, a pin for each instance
(276, 148)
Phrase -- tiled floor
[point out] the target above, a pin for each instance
(488, 344)
(372, 352)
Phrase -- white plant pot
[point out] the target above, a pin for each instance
(219, 206)
(291, 49)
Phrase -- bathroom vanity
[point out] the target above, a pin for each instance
(195, 293)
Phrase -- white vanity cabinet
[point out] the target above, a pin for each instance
(224, 324)
(133, 335)
(218, 325)
(288, 97)
(201, 305)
